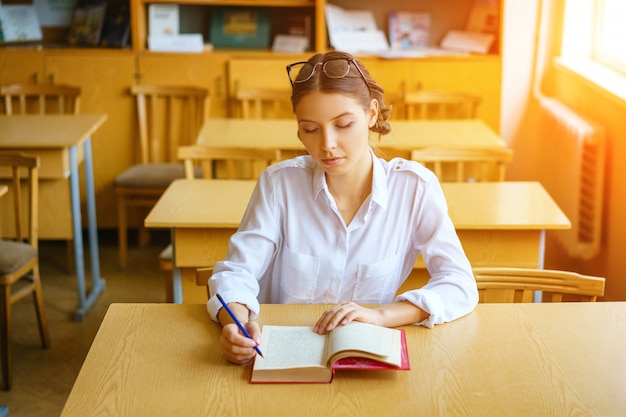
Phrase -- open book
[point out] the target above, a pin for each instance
(297, 354)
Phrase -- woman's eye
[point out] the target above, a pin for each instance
(344, 125)
(309, 129)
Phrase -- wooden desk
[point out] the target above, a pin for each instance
(500, 223)
(405, 135)
(502, 359)
(62, 142)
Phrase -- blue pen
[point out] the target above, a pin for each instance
(237, 322)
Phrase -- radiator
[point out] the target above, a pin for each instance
(574, 157)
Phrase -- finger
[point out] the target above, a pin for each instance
(322, 323)
(255, 332)
(236, 354)
(330, 319)
(236, 347)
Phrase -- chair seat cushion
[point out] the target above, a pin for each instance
(167, 254)
(13, 255)
(157, 175)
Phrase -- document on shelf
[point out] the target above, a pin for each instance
(163, 19)
(464, 41)
(19, 22)
(354, 30)
(186, 42)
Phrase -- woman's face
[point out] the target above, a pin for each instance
(334, 129)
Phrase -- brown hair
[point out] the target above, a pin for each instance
(352, 85)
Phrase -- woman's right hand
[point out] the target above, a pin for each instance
(236, 347)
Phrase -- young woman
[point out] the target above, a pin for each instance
(339, 225)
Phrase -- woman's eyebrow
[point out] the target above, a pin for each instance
(347, 113)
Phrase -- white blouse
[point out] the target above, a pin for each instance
(292, 245)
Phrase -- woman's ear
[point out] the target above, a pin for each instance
(373, 113)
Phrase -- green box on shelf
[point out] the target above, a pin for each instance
(240, 27)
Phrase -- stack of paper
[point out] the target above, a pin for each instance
(354, 30)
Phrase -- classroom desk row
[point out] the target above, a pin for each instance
(405, 135)
(63, 143)
(500, 223)
(514, 360)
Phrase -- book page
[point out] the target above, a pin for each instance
(291, 347)
(297, 354)
(364, 337)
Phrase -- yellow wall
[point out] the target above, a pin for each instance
(521, 129)
(592, 102)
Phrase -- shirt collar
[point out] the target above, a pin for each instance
(379, 182)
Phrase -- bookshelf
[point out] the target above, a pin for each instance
(445, 15)
(195, 15)
(196, 18)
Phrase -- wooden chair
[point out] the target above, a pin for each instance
(194, 156)
(19, 258)
(200, 156)
(202, 278)
(467, 164)
(440, 105)
(43, 99)
(168, 116)
(40, 98)
(260, 103)
(517, 285)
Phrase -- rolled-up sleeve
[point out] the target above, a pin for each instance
(451, 291)
(250, 251)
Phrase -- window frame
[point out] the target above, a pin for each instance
(599, 53)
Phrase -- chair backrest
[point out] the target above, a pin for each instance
(465, 164)
(260, 103)
(41, 99)
(517, 285)
(25, 208)
(168, 117)
(204, 156)
(202, 278)
(440, 105)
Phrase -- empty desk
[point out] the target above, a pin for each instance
(501, 223)
(62, 142)
(405, 135)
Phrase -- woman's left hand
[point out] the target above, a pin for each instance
(344, 313)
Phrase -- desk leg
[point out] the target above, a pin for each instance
(538, 295)
(177, 280)
(85, 301)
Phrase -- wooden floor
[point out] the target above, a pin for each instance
(42, 379)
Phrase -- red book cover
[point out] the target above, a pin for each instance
(356, 363)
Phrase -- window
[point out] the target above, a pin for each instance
(610, 34)
(596, 30)
(594, 43)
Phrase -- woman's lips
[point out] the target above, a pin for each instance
(332, 161)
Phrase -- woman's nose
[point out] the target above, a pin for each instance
(329, 139)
